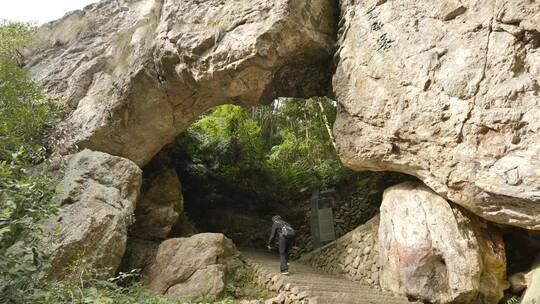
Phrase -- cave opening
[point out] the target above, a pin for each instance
(236, 167)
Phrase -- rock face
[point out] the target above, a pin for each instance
(448, 92)
(445, 92)
(433, 251)
(97, 195)
(532, 294)
(159, 207)
(158, 210)
(138, 72)
(191, 266)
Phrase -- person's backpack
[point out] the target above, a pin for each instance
(287, 231)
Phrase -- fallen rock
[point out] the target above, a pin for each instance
(447, 92)
(436, 252)
(98, 193)
(137, 73)
(190, 267)
(532, 294)
(159, 206)
(518, 282)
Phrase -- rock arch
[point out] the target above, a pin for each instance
(137, 73)
(445, 92)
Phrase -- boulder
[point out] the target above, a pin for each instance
(191, 267)
(448, 92)
(98, 193)
(159, 206)
(137, 72)
(437, 252)
(532, 294)
(518, 282)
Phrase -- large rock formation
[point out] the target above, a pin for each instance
(435, 252)
(158, 211)
(138, 72)
(160, 205)
(98, 193)
(447, 91)
(191, 267)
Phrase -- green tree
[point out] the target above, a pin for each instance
(304, 153)
(14, 37)
(257, 158)
(26, 116)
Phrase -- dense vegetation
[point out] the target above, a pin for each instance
(251, 162)
(287, 144)
(25, 117)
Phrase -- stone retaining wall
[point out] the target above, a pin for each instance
(355, 255)
(286, 292)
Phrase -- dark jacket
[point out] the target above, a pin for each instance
(276, 231)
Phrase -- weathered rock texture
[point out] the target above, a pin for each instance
(532, 294)
(355, 255)
(97, 195)
(138, 72)
(433, 251)
(191, 267)
(158, 211)
(160, 205)
(449, 92)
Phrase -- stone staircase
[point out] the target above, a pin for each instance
(307, 285)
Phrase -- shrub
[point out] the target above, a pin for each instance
(26, 116)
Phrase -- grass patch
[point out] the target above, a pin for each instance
(242, 283)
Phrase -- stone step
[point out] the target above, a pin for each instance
(306, 282)
(347, 295)
(336, 288)
(363, 300)
(326, 284)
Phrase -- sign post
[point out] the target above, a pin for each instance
(322, 218)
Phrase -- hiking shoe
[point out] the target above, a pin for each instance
(285, 273)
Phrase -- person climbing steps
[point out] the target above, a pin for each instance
(285, 234)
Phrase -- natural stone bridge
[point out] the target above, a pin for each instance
(446, 91)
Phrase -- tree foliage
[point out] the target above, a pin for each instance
(257, 158)
(25, 197)
(14, 37)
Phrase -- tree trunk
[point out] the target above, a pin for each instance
(327, 125)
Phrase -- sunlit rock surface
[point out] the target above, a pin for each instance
(137, 72)
(193, 266)
(449, 92)
(433, 251)
(97, 193)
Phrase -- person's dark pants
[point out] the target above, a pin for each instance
(284, 246)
